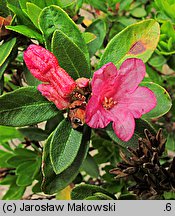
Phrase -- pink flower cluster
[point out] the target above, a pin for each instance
(116, 95)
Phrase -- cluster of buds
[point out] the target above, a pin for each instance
(57, 85)
(152, 178)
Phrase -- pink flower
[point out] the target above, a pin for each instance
(58, 85)
(116, 97)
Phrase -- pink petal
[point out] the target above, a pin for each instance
(104, 78)
(141, 101)
(51, 94)
(123, 124)
(96, 115)
(82, 82)
(130, 74)
(40, 62)
(62, 82)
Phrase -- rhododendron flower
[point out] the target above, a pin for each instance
(116, 97)
(58, 85)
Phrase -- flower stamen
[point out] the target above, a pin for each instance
(108, 103)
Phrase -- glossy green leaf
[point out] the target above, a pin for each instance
(170, 144)
(138, 40)
(33, 133)
(166, 7)
(81, 192)
(25, 106)
(7, 133)
(24, 180)
(27, 171)
(14, 192)
(89, 37)
(21, 155)
(53, 122)
(138, 12)
(64, 146)
(26, 153)
(154, 75)
(5, 50)
(1, 84)
(90, 167)
(9, 179)
(54, 18)
(21, 16)
(69, 55)
(33, 12)
(4, 156)
(141, 125)
(99, 196)
(26, 31)
(29, 78)
(53, 183)
(98, 4)
(27, 168)
(41, 4)
(164, 102)
(3, 67)
(98, 28)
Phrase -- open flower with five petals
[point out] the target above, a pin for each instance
(118, 98)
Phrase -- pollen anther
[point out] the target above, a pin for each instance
(108, 103)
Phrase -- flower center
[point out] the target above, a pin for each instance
(108, 103)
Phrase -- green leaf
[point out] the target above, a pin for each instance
(27, 171)
(157, 61)
(8, 133)
(31, 168)
(84, 191)
(26, 31)
(90, 166)
(21, 16)
(139, 132)
(154, 75)
(9, 179)
(14, 161)
(69, 55)
(4, 12)
(54, 18)
(89, 37)
(29, 78)
(98, 4)
(99, 196)
(26, 153)
(5, 50)
(25, 106)
(138, 40)
(64, 146)
(3, 67)
(98, 28)
(33, 11)
(138, 12)
(164, 102)
(53, 122)
(15, 192)
(53, 183)
(24, 180)
(41, 4)
(32, 133)
(1, 84)
(170, 144)
(4, 156)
